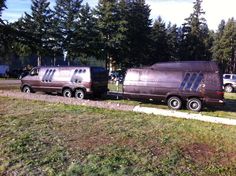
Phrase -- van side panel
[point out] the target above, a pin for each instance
(184, 79)
(54, 79)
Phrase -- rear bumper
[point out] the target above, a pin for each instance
(215, 102)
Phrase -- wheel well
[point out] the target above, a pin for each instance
(167, 98)
(194, 97)
(25, 86)
(66, 88)
(228, 84)
(81, 88)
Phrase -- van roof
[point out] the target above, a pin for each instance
(69, 67)
(207, 66)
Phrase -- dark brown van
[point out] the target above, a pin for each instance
(192, 82)
(70, 81)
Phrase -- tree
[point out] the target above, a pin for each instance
(139, 29)
(159, 46)
(2, 7)
(86, 34)
(66, 20)
(195, 39)
(224, 48)
(37, 26)
(111, 27)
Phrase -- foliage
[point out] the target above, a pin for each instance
(195, 44)
(67, 13)
(224, 47)
(119, 32)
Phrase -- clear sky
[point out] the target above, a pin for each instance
(174, 11)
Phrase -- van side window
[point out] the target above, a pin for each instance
(197, 82)
(227, 76)
(190, 82)
(34, 72)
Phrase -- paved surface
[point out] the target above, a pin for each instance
(116, 106)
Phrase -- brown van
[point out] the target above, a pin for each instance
(70, 81)
(192, 82)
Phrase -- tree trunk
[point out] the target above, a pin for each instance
(39, 61)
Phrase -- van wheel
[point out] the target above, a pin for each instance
(174, 103)
(79, 94)
(194, 104)
(67, 93)
(27, 89)
(229, 88)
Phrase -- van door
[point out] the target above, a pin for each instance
(34, 79)
(46, 80)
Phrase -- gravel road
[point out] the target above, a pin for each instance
(109, 105)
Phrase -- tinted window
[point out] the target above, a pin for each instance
(227, 76)
(190, 82)
(197, 82)
(234, 77)
(99, 74)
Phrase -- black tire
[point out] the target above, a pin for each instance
(194, 104)
(67, 93)
(27, 89)
(229, 88)
(80, 94)
(174, 103)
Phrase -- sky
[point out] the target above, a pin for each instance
(174, 11)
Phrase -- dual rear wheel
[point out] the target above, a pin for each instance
(193, 104)
(79, 93)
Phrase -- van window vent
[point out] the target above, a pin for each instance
(75, 77)
(48, 75)
(191, 81)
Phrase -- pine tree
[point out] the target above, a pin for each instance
(139, 29)
(173, 42)
(194, 44)
(2, 7)
(38, 25)
(159, 47)
(224, 48)
(111, 30)
(66, 19)
(86, 34)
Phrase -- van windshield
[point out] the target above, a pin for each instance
(99, 74)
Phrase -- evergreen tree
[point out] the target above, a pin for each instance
(67, 13)
(159, 47)
(173, 42)
(138, 33)
(195, 39)
(111, 30)
(37, 25)
(2, 7)
(86, 33)
(224, 48)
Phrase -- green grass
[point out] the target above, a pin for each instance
(40, 138)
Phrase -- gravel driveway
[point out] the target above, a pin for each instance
(109, 105)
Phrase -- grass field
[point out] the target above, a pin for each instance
(40, 138)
